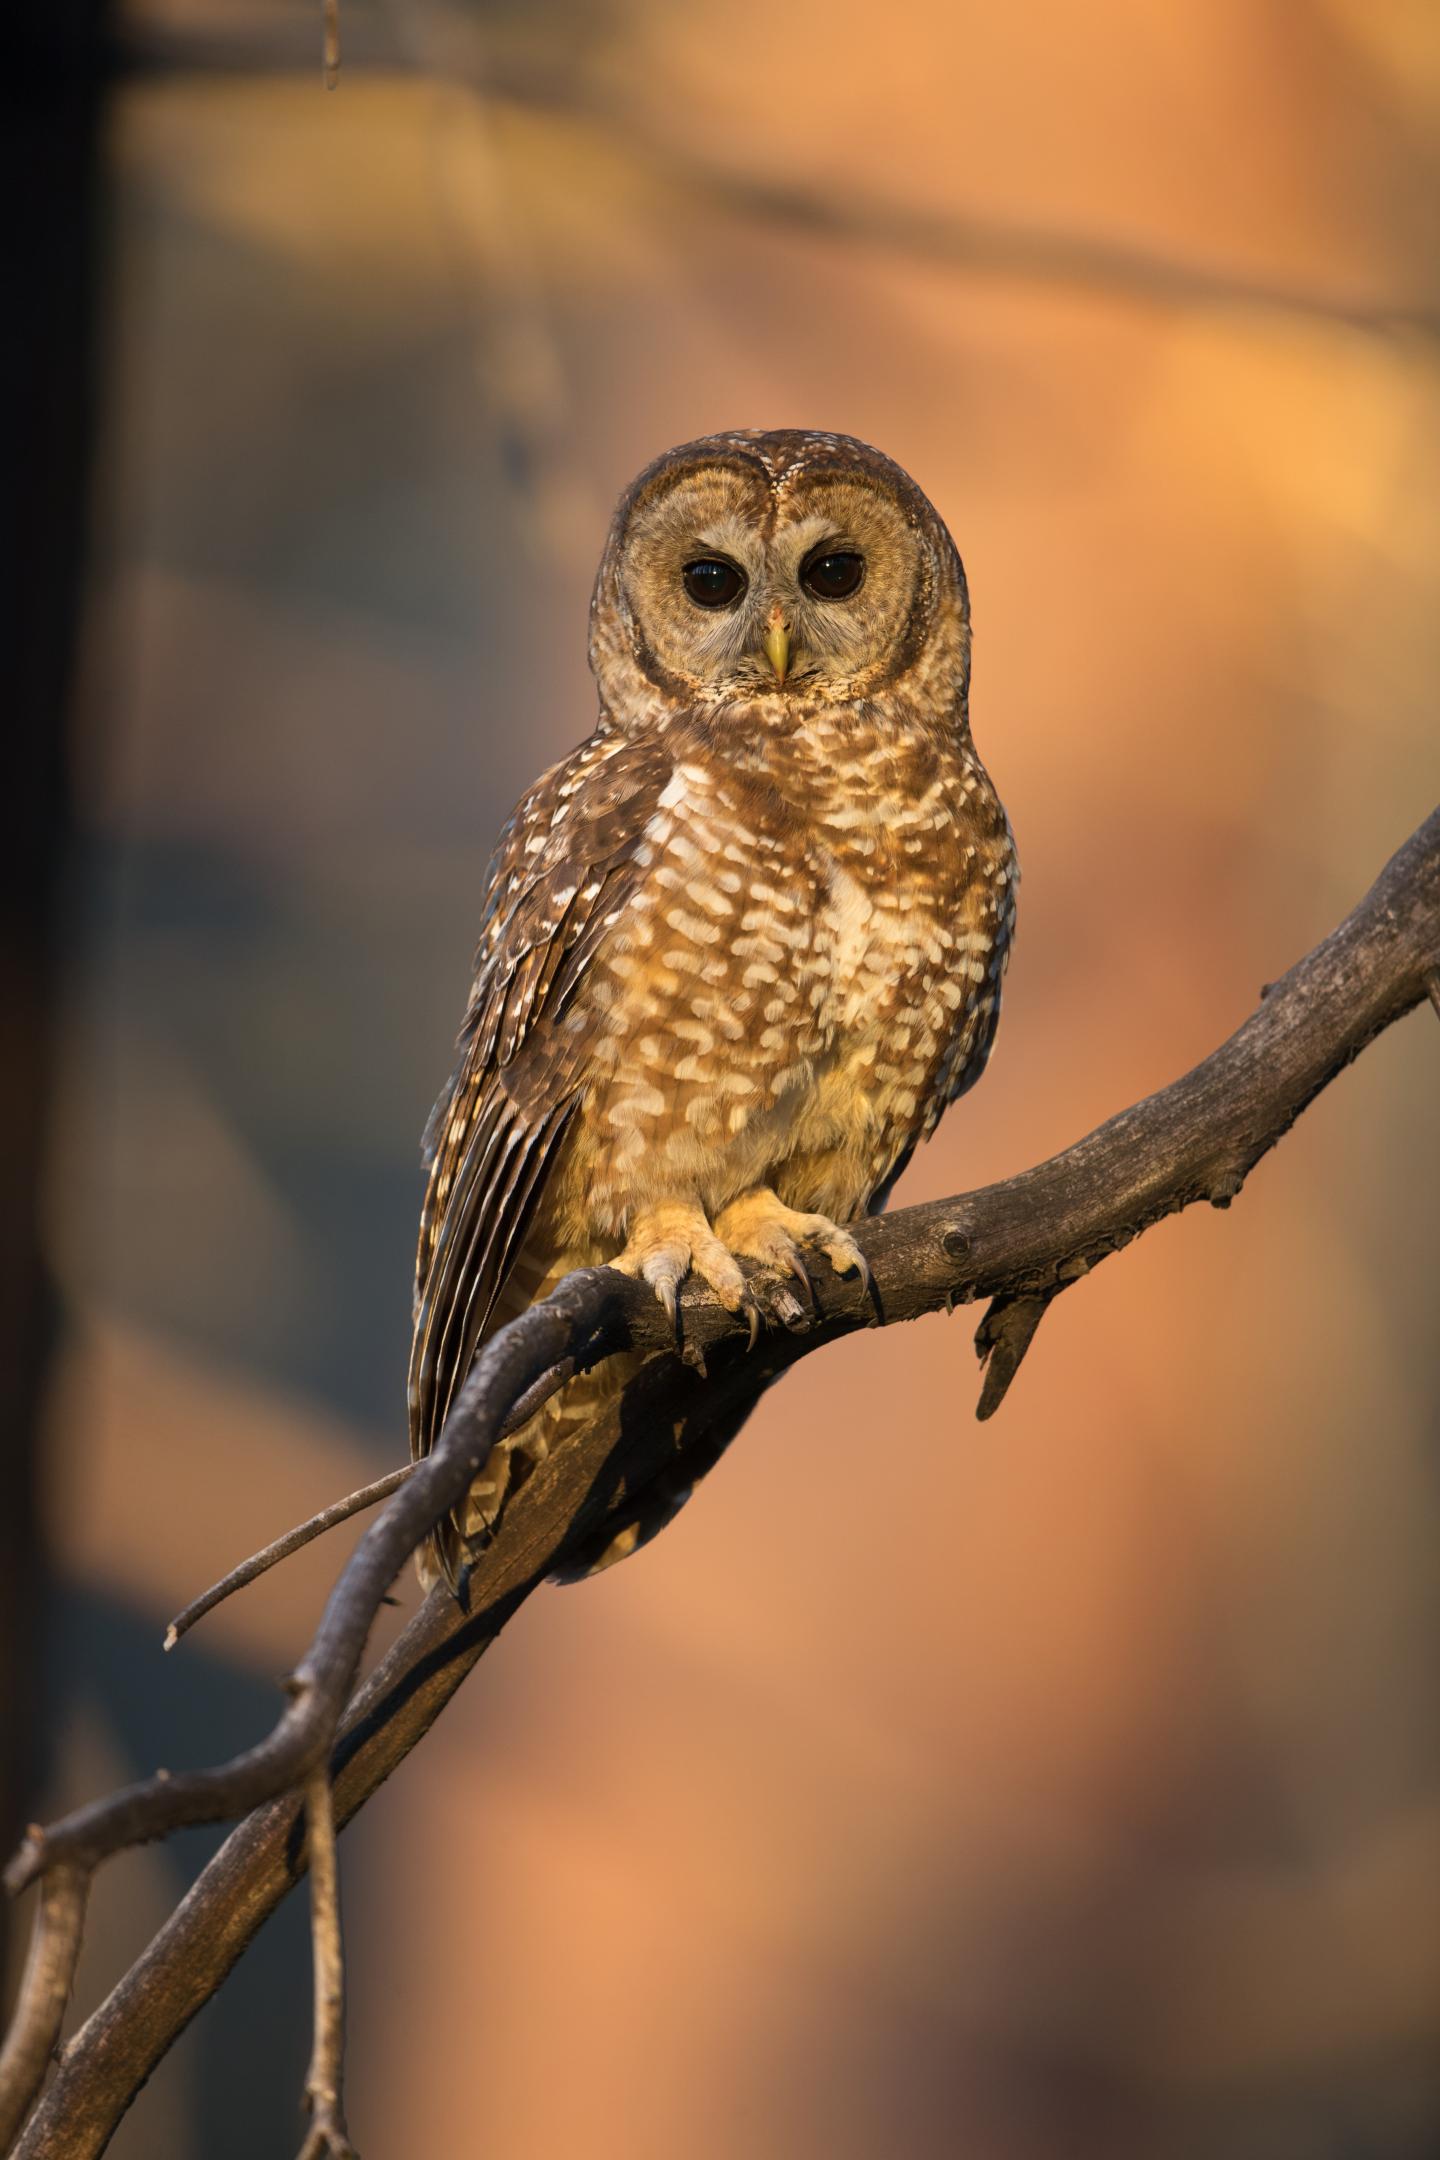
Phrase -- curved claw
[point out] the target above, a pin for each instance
(867, 1284)
(846, 1258)
(802, 1275)
(665, 1292)
(866, 1281)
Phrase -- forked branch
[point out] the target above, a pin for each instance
(1019, 1243)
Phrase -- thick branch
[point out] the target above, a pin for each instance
(1021, 1243)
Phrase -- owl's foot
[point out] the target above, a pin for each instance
(761, 1227)
(670, 1240)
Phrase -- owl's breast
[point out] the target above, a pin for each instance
(882, 948)
(781, 995)
(892, 991)
(911, 938)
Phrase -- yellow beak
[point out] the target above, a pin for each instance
(777, 648)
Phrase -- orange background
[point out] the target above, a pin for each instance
(1057, 1788)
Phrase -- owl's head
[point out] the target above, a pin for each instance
(792, 565)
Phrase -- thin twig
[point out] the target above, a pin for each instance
(330, 62)
(339, 1511)
(1028, 1237)
(44, 1991)
(281, 1548)
(324, 2081)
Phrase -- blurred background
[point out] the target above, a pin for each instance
(1106, 1823)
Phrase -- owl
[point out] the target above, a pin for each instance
(741, 948)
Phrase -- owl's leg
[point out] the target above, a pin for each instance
(670, 1238)
(761, 1227)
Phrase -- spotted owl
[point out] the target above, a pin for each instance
(741, 948)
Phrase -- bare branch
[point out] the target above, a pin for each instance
(1019, 1243)
(44, 1991)
(339, 1511)
(280, 1548)
(328, 2134)
(510, 1364)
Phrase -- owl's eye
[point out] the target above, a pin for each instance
(834, 576)
(712, 582)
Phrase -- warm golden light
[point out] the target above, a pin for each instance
(1062, 1786)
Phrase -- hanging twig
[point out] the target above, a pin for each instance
(330, 59)
(324, 2081)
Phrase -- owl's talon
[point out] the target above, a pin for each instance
(867, 1285)
(760, 1225)
(845, 1255)
(672, 1240)
(662, 1280)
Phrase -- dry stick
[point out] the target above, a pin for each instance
(339, 1511)
(1026, 1238)
(281, 1548)
(330, 35)
(44, 1991)
(327, 2134)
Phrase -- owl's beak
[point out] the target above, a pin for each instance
(777, 647)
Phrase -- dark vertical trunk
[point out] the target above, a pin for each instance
(52, 66)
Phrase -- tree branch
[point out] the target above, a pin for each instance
(1019, 1243)
(44, 1991)
(339, 1511)
(328, 2135)
(280, 1548)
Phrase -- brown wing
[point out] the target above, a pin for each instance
(562, 869)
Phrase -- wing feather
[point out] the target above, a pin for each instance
(562, 872)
